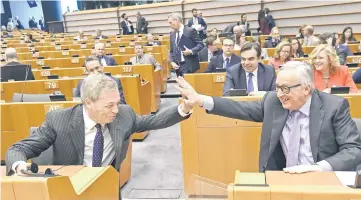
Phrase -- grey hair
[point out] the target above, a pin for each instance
(94, 84)
(99, 44)
(10, 53)
(304, 72)
(175, 16)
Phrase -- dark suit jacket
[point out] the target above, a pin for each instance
(125, 28)
(15, 71)
(64, 130)
(19, 26)
(192, 41)
(248, 31)
(42, 26)
(343, 51)
(217, 62)
(202, 23)
(236, 78)
(333, 134)
(270, 21)
(203, 54)
(33, 24)
(109, 60)
(357, 76)
(142, 24)
(270, 44)
(120, 88)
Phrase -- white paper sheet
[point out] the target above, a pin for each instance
(346, 178)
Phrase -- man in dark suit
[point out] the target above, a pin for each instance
(209, 50)
(198, 24)
(142, 24)
(126, 25)
(250, 74)
(42, 24)
(303, 129)
(225, 60)
(184, 46)
(274, 40)
(19, 26)
(14, 70)
(104, 59)
(93, 66)
(95, 133)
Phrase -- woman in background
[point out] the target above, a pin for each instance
(296, 48)
(282, 55)
(245, 23)
(301, 31)
(347, 36)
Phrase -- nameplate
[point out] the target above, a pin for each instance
(122, 49)
(83, 46)
(42, 41)
(118, 39)
(356, 60)
(108, 44)
(40, 62)
(75, 60)
(149, 49)
(1, 88)
(127, 69)
(58, 47)
(22, 42)
(131, 43)
(219, 78)
(4, 46)
(35, 54)
(51, 107)
(65, 53)
(139, 38)
(49, 85)
(45, 73)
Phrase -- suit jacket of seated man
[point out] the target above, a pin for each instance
(64, 130)
(109, 60)
(202, 33)
(117, 80)
(236, 78)
(192, 41)
(203, 54)
(16, 71)
(270, 43)
(217, 62)
(333, 134)
(146, 59)
(154, 43)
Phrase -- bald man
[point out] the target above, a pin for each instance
(13, 70)
(81, 36)
(104, 59)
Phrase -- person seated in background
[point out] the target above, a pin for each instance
(10, 26)
(99, 36)
(242, 41)
(210, 50)
(225, 60)
(347, 36)
(282, 55)
(296, 48)
(332, 40)
(214, 33)
(80, 36)
(104, 59)
(301, 31)
(28, 38)
(274, 40)
(251, 74)
(357, 76)
(142, 58)
(151, 41)
(327, 70)
(309, 38)
(245, 23)
(13, 70)
(237, 33)
(93, 66)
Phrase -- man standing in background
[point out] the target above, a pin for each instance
(142, 24)
(198, 24)
(42, 24)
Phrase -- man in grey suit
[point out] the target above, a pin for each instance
(303, 129)
(250, 74)
(142, 24)
(93, 66)
(185, 44)
(209, 50)
(95, 133)
(141, 58)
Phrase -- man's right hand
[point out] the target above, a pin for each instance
(190, 96)
(174, 65)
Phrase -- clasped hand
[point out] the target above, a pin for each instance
(190, 96)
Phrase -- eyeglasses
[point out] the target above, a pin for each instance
(285, 52)
(286, 89)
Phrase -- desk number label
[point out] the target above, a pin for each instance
(83, 46)
(50, 107)
(149, 48)
(40, 62)
(119, 39)
(45, 73)
(108, 45)
(75, 60)
(356, 60)
(127, 69)
(219, 78)
(65, 53)
(122, 49)
(51, 85)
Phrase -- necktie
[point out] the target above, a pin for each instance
(177, 48)
(228, 63)
(293, 147)
(178, 38)
(98, 147)
(250, 82)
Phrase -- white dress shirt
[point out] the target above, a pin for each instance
(254, 79)
(181, 29)
(103, 62)
(195, 20)
(90, 132)
(210, 55)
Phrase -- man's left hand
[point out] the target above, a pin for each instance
(187, 52)
(186, 108)
(299, 169)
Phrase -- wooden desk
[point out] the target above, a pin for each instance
(207, 83)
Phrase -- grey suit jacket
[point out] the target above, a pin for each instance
(218, 61)
(142, 25)
(236, 78)
(64, 130)
(146, 59)
(203, 54)
(333, 134)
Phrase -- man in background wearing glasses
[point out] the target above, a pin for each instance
(303, 129)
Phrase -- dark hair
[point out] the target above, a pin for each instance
(266, 10)
(91, 58)
(243, 15)
(299, 49)
(343, 38)
(324, 36)
(123, 15)
(194, 9)
(30, 36)
(261, 14)
(252, 45)
(210, 40)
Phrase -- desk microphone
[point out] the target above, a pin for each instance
(26, 78)
(32, 171)
(34, 168)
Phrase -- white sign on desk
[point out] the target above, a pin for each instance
(346, 178)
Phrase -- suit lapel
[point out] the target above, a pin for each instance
(77, 134)
(316, 119)
(242, 78)
(221, 61)
(115, 134)
(279, 121)
(260, 78)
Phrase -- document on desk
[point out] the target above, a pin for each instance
(346, 178)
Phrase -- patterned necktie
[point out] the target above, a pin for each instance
(228, 63)
(293, 147)
(178, 53)
(98, 147)
(250, 82)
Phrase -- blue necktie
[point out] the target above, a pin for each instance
(228, 63)
(98, 147)
(250, 82)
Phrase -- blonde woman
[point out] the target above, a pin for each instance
(327, 70)
(282, 54)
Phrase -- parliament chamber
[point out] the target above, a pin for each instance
(212, 153)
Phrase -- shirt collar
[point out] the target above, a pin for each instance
(254, 72)
(181, 28)
(305, 109)
(225, 57)
(89, 124)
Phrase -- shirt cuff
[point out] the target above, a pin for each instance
(16, 164)
(325, 166)
(181, 113)
(208, 103)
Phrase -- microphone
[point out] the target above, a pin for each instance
(34, 168)
(26, 78)
(33, 171)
